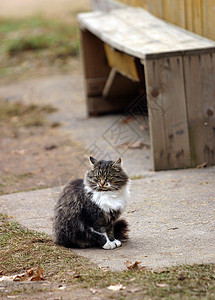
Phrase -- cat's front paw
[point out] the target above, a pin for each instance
(111, 245)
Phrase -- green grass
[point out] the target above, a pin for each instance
(22, 249)
(37, 34)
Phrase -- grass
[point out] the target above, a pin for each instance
(22, 249)
(38, 33)
(21, 115)
(36, 44)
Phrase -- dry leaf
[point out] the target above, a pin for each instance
(204, 165)
(7, 278)
(1, 272)
(20, 277)
(105, 269)
(126, 120)
(93, 291)
(116, 287)
(135, 145)
(162, 285)
(134, 290)
(30, 272)
(135, 265)
(19, 152)
(38, 276)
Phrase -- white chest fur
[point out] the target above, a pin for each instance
(111, 200)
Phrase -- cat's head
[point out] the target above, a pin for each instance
(106, 175)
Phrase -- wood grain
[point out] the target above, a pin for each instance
(167, 113)
(123, 63)
(135, 34)
(200, 92)
(95, 67)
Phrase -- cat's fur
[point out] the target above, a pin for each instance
(87, 211)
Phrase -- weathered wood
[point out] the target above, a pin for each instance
(198, 15)
(199, 72)
(135, 34)
(99, 105)
(94, 61)
(208, 19)
(123, 63)
(105, 5)
(174, 12)
(109, 83)
(167, 113)
(94, 86)
(120, 86)
(189, 15)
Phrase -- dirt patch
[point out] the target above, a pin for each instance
(34, 154)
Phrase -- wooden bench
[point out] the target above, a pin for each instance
(127, 50)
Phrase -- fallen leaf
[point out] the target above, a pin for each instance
(93, 291)
(1, 272)
(135, 265)
(181, 277)
(7, 278)
(105, 269)
(19, 152)
(30, 272)
(135, 145)
(116, 287)
(61, 287)
(126, 120)
(50, 147)
(204, 165)
(20, 277)
(134, 290)
(162, 285)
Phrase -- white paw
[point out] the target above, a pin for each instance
(111, 245)
(118, 243)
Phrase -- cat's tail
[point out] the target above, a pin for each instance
(121, 229)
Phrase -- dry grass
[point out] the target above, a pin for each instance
(22, 249)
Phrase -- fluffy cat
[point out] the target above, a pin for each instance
(88, 210)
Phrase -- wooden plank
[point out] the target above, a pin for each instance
(158, 8)
(197, 16)
(95, 67)
(122, 62)
(119, 86)
(140, 37)
(200, 91)
(106, 5)
(94, 86)
(99, 105)
(188, 15)
(174, 12)
(167, 113)
(109, 83)
(208, 19)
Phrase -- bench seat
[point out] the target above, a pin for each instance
(128, 50)
(138, 33)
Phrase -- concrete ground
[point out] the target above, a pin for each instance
(171, 214)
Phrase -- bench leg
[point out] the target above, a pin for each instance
(167, 113)
(95, 66)
(180, 96)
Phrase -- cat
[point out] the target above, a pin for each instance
(87, 212)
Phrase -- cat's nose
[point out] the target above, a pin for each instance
(102, 182)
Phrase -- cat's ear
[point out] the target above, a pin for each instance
(118, 162)
(93, 161)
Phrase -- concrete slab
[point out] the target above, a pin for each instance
(171, 216)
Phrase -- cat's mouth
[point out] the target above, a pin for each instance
(103, 188)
